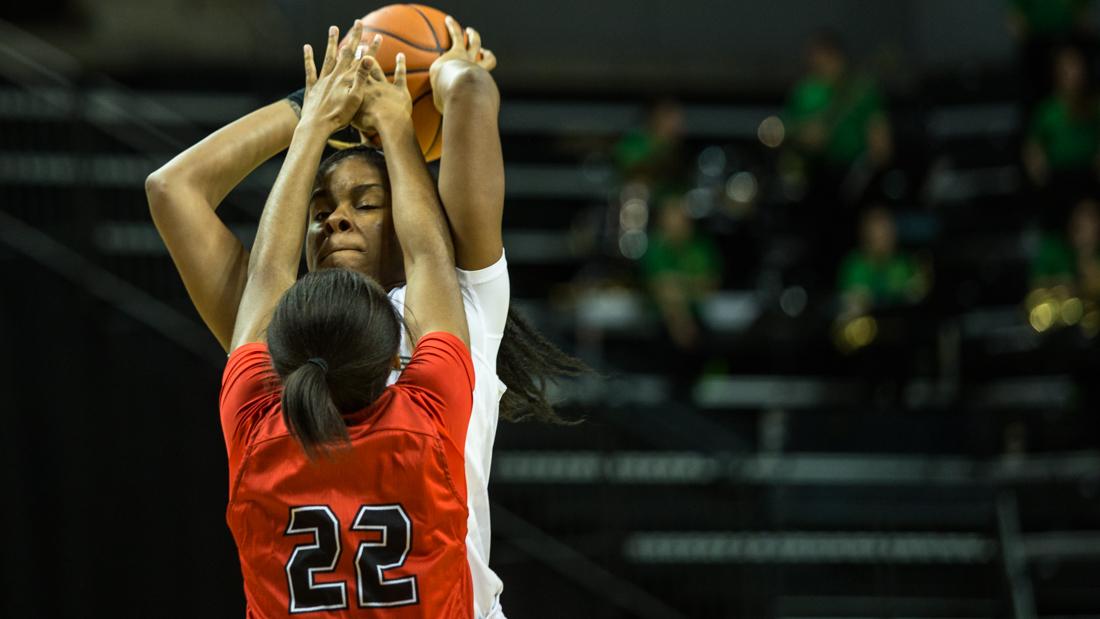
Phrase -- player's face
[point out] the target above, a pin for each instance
(351, 224)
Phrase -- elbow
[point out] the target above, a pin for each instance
(474, 84)
(157, 189)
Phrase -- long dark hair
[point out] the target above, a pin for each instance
(333, 339)
(527, 362)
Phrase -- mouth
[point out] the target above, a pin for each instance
(328, 253)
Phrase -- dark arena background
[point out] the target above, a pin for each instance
(837, 265)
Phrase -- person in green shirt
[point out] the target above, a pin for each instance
(681, 267)
(1040, 27)
(1072, 260)
(877, 274)
(653, 154)
(835, 116)
(1064, 135)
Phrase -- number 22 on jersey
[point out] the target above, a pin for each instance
(390, 531)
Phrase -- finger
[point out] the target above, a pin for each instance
(374, 69)
(330, 51)
(357, 90)
(311, 66)
(375, 45)
(488, 60)
(473, 44)
(399, 73)
(347, 54)
(457, 41)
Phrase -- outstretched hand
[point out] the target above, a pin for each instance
(383, 102)
(464, 49)
(333, 97)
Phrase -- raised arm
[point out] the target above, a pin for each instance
(432, 298)
(471, 172)
(184, 193)
(331, 100)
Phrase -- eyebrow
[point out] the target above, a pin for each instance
(359, 190)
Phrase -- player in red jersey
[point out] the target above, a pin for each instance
(348, 497)
(351, 211)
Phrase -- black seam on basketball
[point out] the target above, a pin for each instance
(387, 33)
(407, 72)
(427, 21)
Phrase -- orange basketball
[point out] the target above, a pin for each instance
(420, 32)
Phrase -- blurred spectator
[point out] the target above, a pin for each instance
(1063, 141)
(1064, 135)
(1072, 260)
(1040, 26)
(835, 117)
(878, 274)
(840, 138)
(653, 154)
(681, 267)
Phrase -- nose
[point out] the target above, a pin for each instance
(337, 222)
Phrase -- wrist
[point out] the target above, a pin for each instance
(394, 125)
(314, 129)
(295, 100)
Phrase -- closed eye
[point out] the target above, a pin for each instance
(321, 215)
(367, 207)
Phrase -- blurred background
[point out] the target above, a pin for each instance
(838, 264)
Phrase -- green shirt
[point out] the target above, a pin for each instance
(1055, 259)
(697, 257)
(1069, 141)
(845, 109)
(890, 281)
(1050, 17)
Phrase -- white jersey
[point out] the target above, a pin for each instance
(485, 294)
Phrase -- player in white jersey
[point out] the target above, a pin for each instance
(350, 227)
(485, 294)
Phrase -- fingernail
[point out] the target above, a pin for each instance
(358, 52)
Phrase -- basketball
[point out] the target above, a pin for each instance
(421, 34)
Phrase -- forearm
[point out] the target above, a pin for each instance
(471, 173)
(432, 298)
(418, 219)
(217, 164)
(278, 244)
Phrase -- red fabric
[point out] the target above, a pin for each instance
(407, 450)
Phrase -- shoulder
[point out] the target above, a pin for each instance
(1048, 109)
(248, 366)
(440, 358)
(250, 393)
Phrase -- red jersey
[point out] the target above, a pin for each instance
(377, 530)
